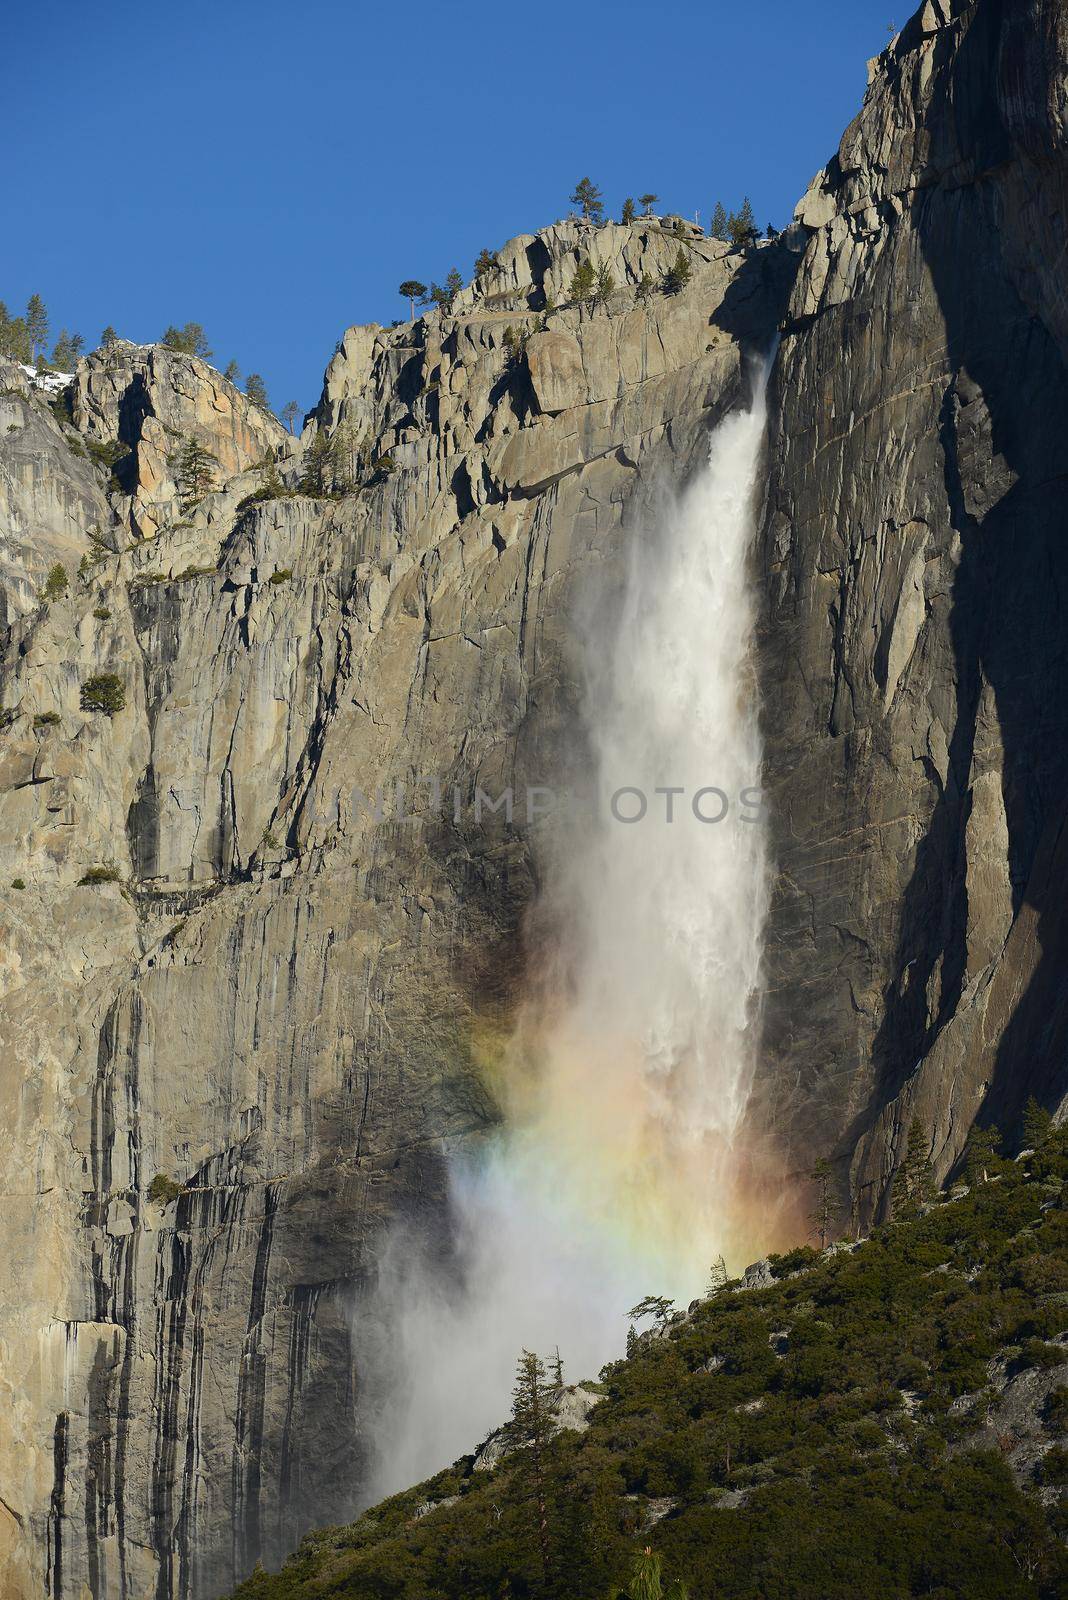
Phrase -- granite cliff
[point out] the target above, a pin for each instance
(241, 1013)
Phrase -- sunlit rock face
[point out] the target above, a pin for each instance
(279, 1002)
(288, 1006)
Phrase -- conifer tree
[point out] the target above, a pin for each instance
(647, 202)
(679, 274)
(719, 222)
(584, 282)
(36, 326)
(68, 347)
(232, 372)
(558, 1369)
(1037, 1124)
(530, 1429)
(587, 197)
(290, 413)
(742, 224)
(194, 470)
(645, 287)
(318, 475)
(823, 1212)
(14, 340)
(981, 1154)
(628, 212)
(256, 390)
(486, 262)
(657, 1306)
(914, 1185)
(717, 1278)
(109, 337)
(412, 290)
(189, 340)
(56, 582)
(605, 286)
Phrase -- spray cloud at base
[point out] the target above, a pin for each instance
(618, 1170)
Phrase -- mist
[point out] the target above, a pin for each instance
(619, 1169)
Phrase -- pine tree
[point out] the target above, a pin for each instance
(823, 1212)
(981, 1154)
(772, 231)
(584, 283)
(719, 222)
(529, 1430)
(290, 413)
(679, 274)
(108, 337)
(914, 1185)
(190, 340)
(1037, 1124)
(36, 326)
(558, 1369)
(632, 1340)
(232, 372)
(194, 471)
(587, 197)
(647, 1582)
(487, 262)
(628, 212)
(14, 340)
(605, 286)
(56, 582)
(318, 475)
(742, 224)
(412, 290)
(656, 1306)
(256, 390)
(647, 202)
(717, 1278)
(645, 287)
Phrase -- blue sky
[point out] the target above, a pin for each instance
(273, 171)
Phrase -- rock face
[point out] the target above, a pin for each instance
(237, 1049)
(235, 1052)
(915, 565)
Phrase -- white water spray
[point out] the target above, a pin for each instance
(617, 1171)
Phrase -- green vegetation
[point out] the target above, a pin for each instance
(487, 262)
(256, 390)
(162, 1190)
(679, 273)
(36, 326)
(56, 583)
(101, 613)
(281, 575)
(834, 1436)
(108, 337)
(232, 372)
(290, 413)
(194, 469)
(719, 226)
(68, 348)
(627, 216)
(584, 283)
(18, 883)
(587, 197)
(46, 719)
(189, 340)
(108, 874)
(647, 202)
(413, 290)
(443, 297)
(104, 692)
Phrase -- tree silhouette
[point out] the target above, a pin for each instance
(290, 413)
(587, 197)
(412, 290)
(647, 202)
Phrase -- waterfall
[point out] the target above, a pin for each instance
(618, 1171)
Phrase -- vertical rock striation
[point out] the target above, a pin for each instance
(915, 563)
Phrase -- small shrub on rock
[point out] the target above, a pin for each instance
(103, 692)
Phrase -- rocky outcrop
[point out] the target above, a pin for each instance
(912, 653)
(247, 990)
(242, 1011)
(146, 401)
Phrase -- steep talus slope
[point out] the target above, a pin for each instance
(913, 647)
(230, 1057)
